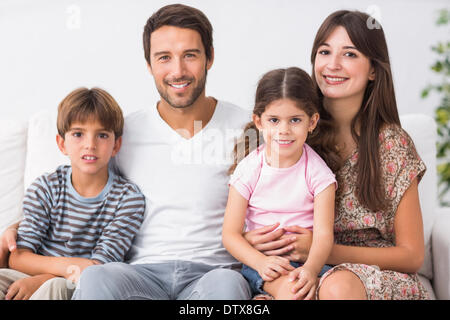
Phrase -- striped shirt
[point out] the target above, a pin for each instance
(59, 222)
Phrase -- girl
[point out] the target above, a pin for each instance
(378, 226)
(282, 181)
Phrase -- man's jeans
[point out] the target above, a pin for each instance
(164, 281)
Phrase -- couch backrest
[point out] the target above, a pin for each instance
(422, 129)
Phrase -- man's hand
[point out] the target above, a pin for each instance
(23, 289)
(7, 245)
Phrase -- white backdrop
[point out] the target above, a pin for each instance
(50, 47)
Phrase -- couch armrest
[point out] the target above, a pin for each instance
(440, 246)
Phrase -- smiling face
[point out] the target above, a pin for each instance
(178, 65)
(89, 146)
(341, 71)
(285, 128)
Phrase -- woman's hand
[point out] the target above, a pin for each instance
(301, 244)
(270, 242)
(294, 246)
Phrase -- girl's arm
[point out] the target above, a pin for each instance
(237, 246)
(322, 242)
(408, 253)
(26, 261)
(233, 226)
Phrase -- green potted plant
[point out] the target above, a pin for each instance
(442, 112)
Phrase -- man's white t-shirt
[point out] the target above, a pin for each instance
(185, 183)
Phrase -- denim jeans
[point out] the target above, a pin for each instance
(256, 282)
(180, 280)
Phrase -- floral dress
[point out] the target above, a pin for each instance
(358, 226)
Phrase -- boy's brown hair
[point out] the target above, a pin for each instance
(83, 104)
(181, 16)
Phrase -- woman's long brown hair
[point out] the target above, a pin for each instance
(293, 84)
(378, 107)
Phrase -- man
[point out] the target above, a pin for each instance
(176, 152)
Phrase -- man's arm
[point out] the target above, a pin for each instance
(8, 244)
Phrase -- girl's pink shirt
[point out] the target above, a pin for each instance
(284, 195)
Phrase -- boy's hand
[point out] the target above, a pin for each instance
(23, 289)
(7, 244)
(305, 287)
(271, 267)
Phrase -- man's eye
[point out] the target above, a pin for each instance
(163, 58)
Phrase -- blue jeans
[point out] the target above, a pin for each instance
(181, 280)
(256, 282)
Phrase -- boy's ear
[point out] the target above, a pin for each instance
(61, 144)
(117, 145)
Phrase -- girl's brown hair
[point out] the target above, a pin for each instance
(378, 107)
(293, 84)
(82, 105)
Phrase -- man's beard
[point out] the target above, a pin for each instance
(191, 99)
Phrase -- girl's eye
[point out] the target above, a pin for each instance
(296, 120)
(273, 120)
(350, 54)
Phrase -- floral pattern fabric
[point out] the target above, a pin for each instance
(358, 226)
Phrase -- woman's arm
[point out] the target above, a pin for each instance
(406, 256)
(408, 253)
(26, 261)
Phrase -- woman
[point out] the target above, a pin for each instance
(379, 243)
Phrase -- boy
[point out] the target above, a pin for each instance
(79, 215)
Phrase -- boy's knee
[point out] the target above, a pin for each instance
(54, 289)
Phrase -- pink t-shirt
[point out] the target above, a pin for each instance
(284, 195)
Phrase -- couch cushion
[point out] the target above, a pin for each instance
(422, 129)
(43, 155)
(13, 137)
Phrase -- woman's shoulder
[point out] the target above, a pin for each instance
(393, 138)
(392, 131)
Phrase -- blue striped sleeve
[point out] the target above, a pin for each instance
(36, 208)
(118, 235)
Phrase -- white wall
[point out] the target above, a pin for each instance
(48, 48)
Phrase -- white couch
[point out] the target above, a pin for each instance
(27, 149)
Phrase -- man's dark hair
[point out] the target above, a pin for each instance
(182, 16)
